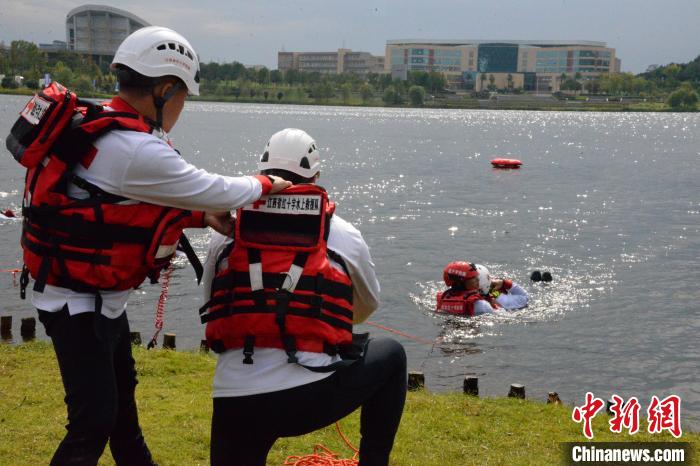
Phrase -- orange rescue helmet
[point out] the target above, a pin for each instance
(458, 272)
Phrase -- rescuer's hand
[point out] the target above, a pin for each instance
(278, 184)
(221, 222)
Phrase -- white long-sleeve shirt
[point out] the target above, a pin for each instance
(270, 371)
(515, 298)
(144, 167)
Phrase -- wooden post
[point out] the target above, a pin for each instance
(553, 398)
(28, 328)
(471, 385)
(203, 346)
(135, 338)
(169, 341)
(517, 391)
(6, 326)
(416, 380)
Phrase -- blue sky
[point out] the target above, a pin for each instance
(644, 32)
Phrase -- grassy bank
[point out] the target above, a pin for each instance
(175, 409)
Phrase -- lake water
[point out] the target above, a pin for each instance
(609, 203)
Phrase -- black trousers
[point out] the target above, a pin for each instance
(99, 378)
(245, 428)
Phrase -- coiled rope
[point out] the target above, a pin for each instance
(160, 307)
(323, 456)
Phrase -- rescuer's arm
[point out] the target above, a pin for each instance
(216, 246)
(159, 175)
(482, 307)
(347, 241)
(221, 222)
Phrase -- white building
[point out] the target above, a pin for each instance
(98, 30)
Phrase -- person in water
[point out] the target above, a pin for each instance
(282, 295)
(131, 195)
(473, 292)
(507, 294)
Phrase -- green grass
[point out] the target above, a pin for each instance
(175, 410)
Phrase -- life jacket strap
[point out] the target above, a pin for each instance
(350, 354)
(282, 303)
(291, 280)
(44, 268)
(275, 280)
(95, 191)
(255, 275)
(23, 282)
(290, 348)
(248, 349)
(185, 246)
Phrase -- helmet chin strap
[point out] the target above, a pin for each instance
(159, 102)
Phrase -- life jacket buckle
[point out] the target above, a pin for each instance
(248, 349)
(23, 282)
(287, 282)
(290, 348)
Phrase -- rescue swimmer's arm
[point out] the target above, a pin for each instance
(482, 307)
(515, 298)
(157, 174)
(347, 241)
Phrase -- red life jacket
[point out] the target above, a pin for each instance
(275, 286)
(104, 242)
(461, 302)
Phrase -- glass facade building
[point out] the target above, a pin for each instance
(533, 61)
(498, 58)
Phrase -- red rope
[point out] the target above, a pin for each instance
(410, 337)
(14, 273)
(160, 307)
(322, 456)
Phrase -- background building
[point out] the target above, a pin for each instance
(97, 30)
(342, 61)
(530, 65)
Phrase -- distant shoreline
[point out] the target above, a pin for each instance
(471, 104)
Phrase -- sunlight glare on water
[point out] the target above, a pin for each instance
(607, 202)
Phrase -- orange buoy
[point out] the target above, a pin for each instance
(506, 163)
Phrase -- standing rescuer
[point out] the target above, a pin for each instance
(105, 202)
(282, 296)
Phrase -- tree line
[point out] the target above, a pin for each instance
(679, 83)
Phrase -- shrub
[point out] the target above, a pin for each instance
(9, 82)
(684, 99)
(416, 94)
(391, 96)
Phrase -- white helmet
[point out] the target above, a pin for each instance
(155, 51)
(292, 150)
(484, 278)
